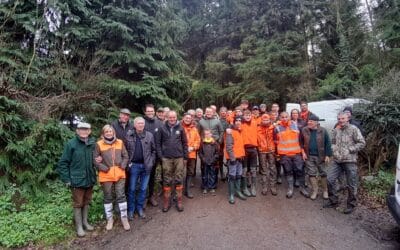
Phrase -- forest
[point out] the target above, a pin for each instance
(88, 58)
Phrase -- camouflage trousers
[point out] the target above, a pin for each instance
(267, 169)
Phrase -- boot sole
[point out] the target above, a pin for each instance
(81, 235)
(90, 229)
(241, 197)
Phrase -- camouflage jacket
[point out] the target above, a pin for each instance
(347, 141)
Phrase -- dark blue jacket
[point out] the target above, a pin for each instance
(171, 142)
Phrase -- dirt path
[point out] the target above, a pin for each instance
(264, 222)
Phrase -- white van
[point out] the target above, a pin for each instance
(327, 111)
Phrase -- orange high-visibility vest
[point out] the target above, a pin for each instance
(288, 140)
(238, 146)
(110, 150)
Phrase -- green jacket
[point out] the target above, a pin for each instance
(76, 163)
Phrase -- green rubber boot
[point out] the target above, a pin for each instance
(238, 189)
(245, 189)
(231, 188)
(78, 222)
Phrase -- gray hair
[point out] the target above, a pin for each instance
(139, 119)
(223, 108)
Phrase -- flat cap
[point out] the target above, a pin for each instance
(83, 125)
(313, 117)
(125, 111)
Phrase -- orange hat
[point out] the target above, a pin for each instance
(265, 116)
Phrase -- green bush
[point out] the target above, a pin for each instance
(29, 149)
(42, 220)
(381, 120)
(380, 185)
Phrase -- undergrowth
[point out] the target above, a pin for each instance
(380, 185)
(43, 219)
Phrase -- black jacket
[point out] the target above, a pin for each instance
(171, 142)
(152, 125)
(209, 152)
(148, 146)
(120, 131)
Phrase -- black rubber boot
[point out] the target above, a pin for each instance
(188, 192)
(290, 181)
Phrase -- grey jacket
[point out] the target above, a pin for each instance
(214, 125)
(346, 143)
(148, 145)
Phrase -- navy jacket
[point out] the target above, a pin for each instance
(171, 142)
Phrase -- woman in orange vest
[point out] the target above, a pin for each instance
(112, 174)
(234, 154)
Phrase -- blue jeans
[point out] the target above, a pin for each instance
(137, 173)
(209, 177)
(235, 170)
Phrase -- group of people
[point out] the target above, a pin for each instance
(246, 142)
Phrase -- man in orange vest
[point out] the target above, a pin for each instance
(256, 114)
(193, 139)
(266, 147)
(249, 133)
(289, 150)
(305, 112)
(234, 153)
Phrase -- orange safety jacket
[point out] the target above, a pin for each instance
(249, 133)
(229, 118)
(257, 119)
(193, 139)
(234, 142)
(287, 139)
(115, 157)
(265, 139)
